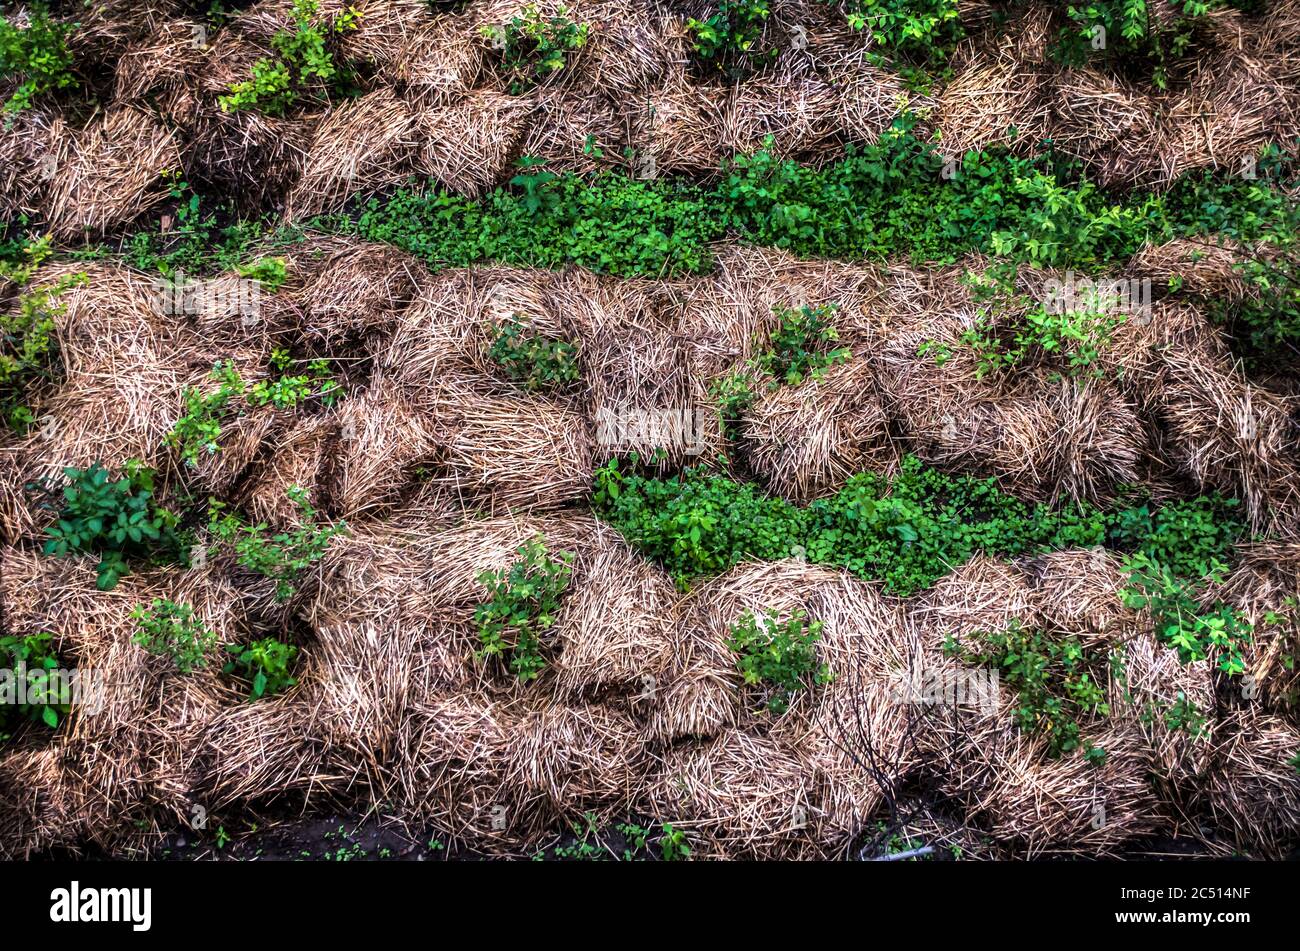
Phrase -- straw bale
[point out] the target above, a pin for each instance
(35, 811)
(385, 28)
(1108, 123)
(107, 29)
(257, 753)
(1230, 435)
(982, 596)
(1070, 807)
(382, 438)
(453, 773)
(304, 457)
(1264, 580)
(251, 157)
(615, 628)
(358, 148)
(1254, 795)
(470, 144)
(383, 646)
(121, 386)
(161, 61)
(1154, 679)
(357, 288)
(509, 452)
(806, 440)
(1077, 591)
(456, 557)
(566, 129)
(1230, 109)
(868, 100)
(798, 112)
(983, 101)
(30, 155)
(579, 759)
(680, 128)
(113, 175)
(739, 796)
(631, 51)
(1206, 269)
(438, 62)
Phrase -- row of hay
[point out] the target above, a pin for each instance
(1239, 94)
(640, 711)
(436, 108)
(426, 402)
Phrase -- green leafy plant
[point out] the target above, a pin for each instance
(270, 272)
(781, 656)
(36, 56)
(537, 362)
(731, 38)
(305, 65)
(886, 200)
(283, 556)
(521, 607)
(1131, 33)
(1012, 331)
(533, 47)
(1056, 678)
(1195, 630)
(170, 630)
(800, 348)
(118, 519)
(264, 665)
(735, 396)
(1183, 715)
(47, 698)
(673, 844)
(908, 531)
(198, 428)
(926, 29)
(289, 391)
(28, 344)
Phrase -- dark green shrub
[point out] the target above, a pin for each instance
(521, 607)
(198, 428)
(779, 656)
(924, 29)
(28, 344)
(1181, 619)
(907, 532)
(732, 38)
(1131, 33)
(800, 347)
(264, 665)
(118, 519)
(1011, 330)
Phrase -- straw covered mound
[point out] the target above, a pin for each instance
(443, 465)
(432, 103)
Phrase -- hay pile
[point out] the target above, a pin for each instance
(443, 466)
(112, 175)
